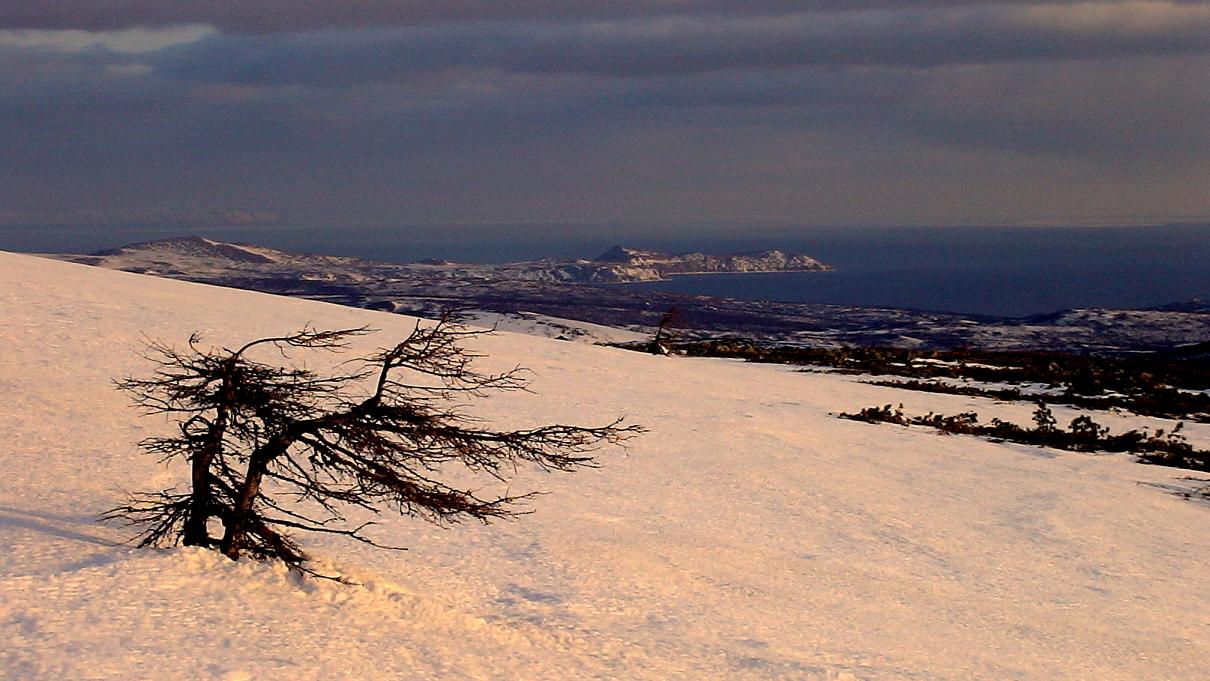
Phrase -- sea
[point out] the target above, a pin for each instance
(990, 271)
(999, 271)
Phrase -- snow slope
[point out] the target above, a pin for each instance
(748, 535)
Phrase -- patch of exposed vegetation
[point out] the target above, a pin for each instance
(1149, 384)
(1083, 434)
(1160, 402)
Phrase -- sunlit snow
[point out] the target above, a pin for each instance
(749, 534)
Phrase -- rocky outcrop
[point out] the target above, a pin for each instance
(629, 264)
(621, 265)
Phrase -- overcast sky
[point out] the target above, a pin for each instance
(377, 112)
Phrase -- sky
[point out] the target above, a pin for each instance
(133, 113)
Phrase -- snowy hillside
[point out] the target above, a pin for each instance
(749, 534)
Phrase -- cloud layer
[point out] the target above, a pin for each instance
(267, 16)
(828, 111)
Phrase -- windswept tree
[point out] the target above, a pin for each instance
(275, 447)
(221, 400)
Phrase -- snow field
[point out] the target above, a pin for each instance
(749, 534)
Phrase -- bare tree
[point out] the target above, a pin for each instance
(274, 448)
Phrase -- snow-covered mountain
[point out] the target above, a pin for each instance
(618, 265)
(748, 535)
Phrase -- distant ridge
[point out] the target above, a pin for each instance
(192, 246)
(623, 254)
(617, 265)
(646, 265)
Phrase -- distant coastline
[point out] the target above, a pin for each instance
(544, 289)
(999, 271)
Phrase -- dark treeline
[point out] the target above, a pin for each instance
(1083, 434)
(1161, 402)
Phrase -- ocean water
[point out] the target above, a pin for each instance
(1013, 271)
(998, 271)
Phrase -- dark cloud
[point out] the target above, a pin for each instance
(266, 16)
(688, 45)
(869, 142)
(649, 111)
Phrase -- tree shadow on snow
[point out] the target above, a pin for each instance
(51, 524)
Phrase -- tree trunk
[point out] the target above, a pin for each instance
(196, 531)
(242, 516)
(237, 529)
